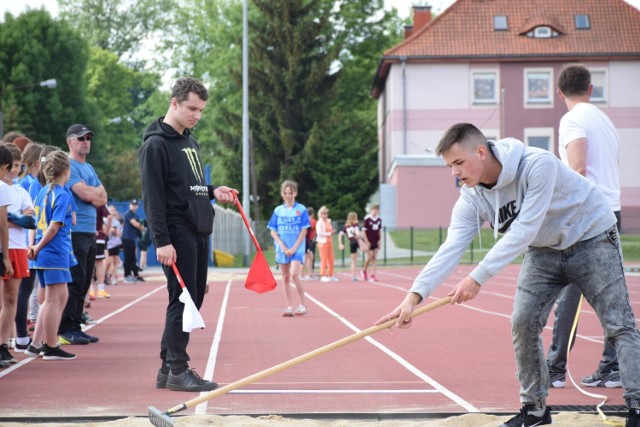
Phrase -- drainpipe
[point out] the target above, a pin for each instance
(403, 60)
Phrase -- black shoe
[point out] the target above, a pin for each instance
(161, 379)
(33, 351)
(21, 348)
(633, 419)
(140, 279)
(91, 338)
(189, 381)
(56, 353)
(6, 356)
(524, 419)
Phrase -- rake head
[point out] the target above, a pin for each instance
(160, 419)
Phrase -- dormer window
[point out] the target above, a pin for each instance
(542, 32)
(582, 22)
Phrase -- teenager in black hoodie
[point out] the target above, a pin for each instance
(177, 204)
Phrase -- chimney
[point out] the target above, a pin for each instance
(421, 17)
(408, 31)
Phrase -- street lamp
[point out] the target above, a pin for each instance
(49, 84)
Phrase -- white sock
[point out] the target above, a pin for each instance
(22, 340)
(101, 286)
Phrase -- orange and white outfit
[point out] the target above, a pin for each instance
(324, 230)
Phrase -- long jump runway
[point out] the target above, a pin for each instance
(453, 360)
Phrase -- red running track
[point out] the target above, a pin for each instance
(454, 359)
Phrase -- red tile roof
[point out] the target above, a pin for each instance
(465, 32)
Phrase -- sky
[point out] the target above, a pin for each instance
(403, 6)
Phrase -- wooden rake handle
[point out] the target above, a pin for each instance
(303, 358)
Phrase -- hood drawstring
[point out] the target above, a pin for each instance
(496, 217)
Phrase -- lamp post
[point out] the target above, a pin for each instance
(49, 84)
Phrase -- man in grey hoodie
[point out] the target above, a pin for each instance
(568, 234)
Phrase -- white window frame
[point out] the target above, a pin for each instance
(540, 132)
(538, 74)
(603, 71)
(476, 74)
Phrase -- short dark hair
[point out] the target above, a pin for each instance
(6, 158)
(15, 152)
(185, 85)
(461, 133)
(574, 79)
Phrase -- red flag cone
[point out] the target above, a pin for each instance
(260, 279)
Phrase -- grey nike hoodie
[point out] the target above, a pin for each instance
(537, 201)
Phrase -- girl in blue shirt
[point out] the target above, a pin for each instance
(288, 225)
(52, 255)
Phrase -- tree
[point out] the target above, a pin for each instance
(33, 48)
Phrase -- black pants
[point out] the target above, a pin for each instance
(130, 259)
(24, 293)
(84, 248)
(192, 261)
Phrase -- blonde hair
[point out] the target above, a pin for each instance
(30, 156)
(46, 150)
(322, 210)
(352, 218)
(288, 183)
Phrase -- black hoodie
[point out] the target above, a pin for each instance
(174, 189)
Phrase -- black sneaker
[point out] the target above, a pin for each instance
(633, 419)
(189, 381)
(161, 379)
(72, 337)
(33, 351)
(3, 365)
(524, 419)
(21, 348)
(140, 279)
(86, 319)
(598, 379)
(91, 338)
(56, 353)
(6, 356)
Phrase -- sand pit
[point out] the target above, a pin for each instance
(563, 419)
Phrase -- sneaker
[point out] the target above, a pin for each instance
(12, 343)
(557, 380)
(301, 310)
(524, 419)
(21, 348)
(373, 278)
(6, 356)
(364, 275)
(333, 279)
(33, 351)
(92, 295)
(288, 312)
(189, 381)
(610, 380)
(140, 279)
(633, 419)
(91, 338)
(3, 364)
(56, 353)
(161, 379)
(355, 279)
(305, 278)
(102, 294)
(72, 337)
(130, 279)
(325, 279)
(87, 320)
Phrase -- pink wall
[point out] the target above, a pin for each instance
(426, 195)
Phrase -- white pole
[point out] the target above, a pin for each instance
(245, 123)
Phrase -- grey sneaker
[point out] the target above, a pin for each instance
(189, 381)
(557, 380)
(598, 379)
(161, 379)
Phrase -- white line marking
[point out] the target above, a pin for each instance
(460, 401)
(215, 346)
(297, 391)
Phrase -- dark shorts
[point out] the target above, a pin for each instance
(100, 246)
(310, 247)
(373, 245)
(353, 246)
(144, 244)
(115, 251)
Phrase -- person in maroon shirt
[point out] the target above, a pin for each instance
(372, 228)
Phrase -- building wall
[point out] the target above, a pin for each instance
(439, 95)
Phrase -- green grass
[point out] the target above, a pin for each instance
(429, 241)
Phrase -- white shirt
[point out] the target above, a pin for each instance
(19, 201)
(585, 120)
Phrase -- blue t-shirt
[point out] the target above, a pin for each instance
(128, 230)
(26, 182)
(86, 213)
(289, 223)
(58, 208)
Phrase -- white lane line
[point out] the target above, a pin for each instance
(215, 346)
(23, 362)
(340, 391)
(460, 401)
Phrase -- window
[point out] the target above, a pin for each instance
(538, 87)
(485, 87)
(539, 137)
(598, 81)
(500, 23)
(542, 32)
(582, 22)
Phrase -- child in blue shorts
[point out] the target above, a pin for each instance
(52, 255)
